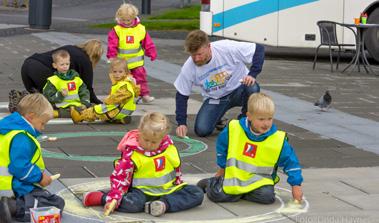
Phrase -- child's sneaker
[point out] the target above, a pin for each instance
(147, 99)
(203, 184)
(92, 198)
(126, 120)
(5, 213)
(155, 208)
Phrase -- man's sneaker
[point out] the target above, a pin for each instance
(155, 208)
(221, 124)
(147, 99)
(92, 198)
(5, 213)
(203, 184)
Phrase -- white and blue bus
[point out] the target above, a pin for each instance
(287, 23)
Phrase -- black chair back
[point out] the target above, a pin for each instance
(328, 33)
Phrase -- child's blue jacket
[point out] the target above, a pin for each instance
(287, 159)
(21, 152)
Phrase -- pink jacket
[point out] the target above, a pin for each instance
(122, 175)
(147, 43)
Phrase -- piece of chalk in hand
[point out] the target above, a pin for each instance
(51, 139)
(241, 80)
(55, 176)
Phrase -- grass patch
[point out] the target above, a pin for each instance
(186, 18)
(160, 25)
(189, 12)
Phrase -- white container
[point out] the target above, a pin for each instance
(45, 215)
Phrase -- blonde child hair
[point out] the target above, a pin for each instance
(35, 103)
(59, 54)
(126, 11)
(154, 124)
(118, 62)
(260, 103)
(93, 49)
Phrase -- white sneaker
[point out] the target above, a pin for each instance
(155, 208)
(147, 99)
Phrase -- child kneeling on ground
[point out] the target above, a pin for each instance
(147, 177)
(65, 89)
(119, 104)
(249, 151)
(21, 164)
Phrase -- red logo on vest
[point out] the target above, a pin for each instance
(129, 39)
(160, 163)
(250, 150)
(71, 86)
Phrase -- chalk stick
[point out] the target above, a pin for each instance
(55, 177)
(111, 207)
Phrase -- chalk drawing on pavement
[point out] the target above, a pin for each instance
(193, 146)
(256, 213)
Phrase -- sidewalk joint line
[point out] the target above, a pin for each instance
(355, 187)
(89, 171)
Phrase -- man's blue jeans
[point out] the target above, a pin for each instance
(213, 110)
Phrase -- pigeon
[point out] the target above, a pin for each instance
(324, 101)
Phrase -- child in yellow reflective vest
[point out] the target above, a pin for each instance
(249, 151)
(147, 177)
(119, 104)
(22, 169)
(130, 40)
(65, 88)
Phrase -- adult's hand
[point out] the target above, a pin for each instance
(248, 80)
(181, 131)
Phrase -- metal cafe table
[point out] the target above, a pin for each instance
(360, 47)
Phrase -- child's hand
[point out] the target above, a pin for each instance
(220, 173)
(297, 193)
(109, 207)
(64, 92)
(45, 181)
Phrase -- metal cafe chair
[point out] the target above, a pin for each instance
(328, 37)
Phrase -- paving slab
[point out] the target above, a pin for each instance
(338, 149)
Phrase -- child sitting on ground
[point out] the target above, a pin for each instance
(249, 151)
(147, 177)
(65, 88)
(23, 175)
(130, 40)
(119, 104)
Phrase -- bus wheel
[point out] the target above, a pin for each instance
(372, 35)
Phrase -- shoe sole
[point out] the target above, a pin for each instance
(155, 208)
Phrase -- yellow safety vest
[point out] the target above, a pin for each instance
(125, 109)
(5, 176)
(250, 164)
(72, 86)
(129, 44)
(155, 175)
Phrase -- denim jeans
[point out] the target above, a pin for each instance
(212, 110)
(188, 197)
(262, 195)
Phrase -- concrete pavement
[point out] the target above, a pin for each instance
(338, 149)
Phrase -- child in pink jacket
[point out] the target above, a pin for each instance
(130, 40)
(147, 177)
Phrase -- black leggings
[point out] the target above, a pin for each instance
(34, 75)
